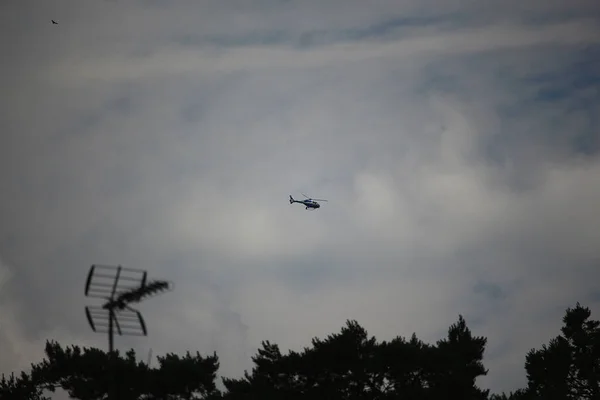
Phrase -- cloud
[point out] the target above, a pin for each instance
(173, 60)
(456, 145)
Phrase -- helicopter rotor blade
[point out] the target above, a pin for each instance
(309, 198)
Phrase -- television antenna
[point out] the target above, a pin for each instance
(120, 287)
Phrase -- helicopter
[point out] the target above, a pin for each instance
(308, 203)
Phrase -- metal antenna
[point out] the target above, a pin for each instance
(149, 358)
(119, 287)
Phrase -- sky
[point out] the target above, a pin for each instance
(457, 144)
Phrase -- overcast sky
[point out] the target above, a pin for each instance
(458, 144)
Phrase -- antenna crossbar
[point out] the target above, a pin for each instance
(120, 287)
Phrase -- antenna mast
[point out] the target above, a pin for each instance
(119, 287)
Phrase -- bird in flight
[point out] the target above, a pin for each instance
(54, 22)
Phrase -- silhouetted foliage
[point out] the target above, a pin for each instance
(352, 365)
(349, 365)
(519, 394)
(569, 366)
(92, 374)
(458, 363)
(20, 387)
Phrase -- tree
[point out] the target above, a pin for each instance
(20, 387)
(569, 366)
(458, 363)
(343, 366)
(407, 366)
(351, 365)
(348, 365)
(92, 374)
(519, 394)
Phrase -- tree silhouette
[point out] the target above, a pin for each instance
(344, 365)
(407, 366)
(20, 387)
(458, 363)
(519, 394)
(352, 365)
(347, 365)
(90, 374)
(569, 366)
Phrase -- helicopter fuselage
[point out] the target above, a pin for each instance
(309, 203)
